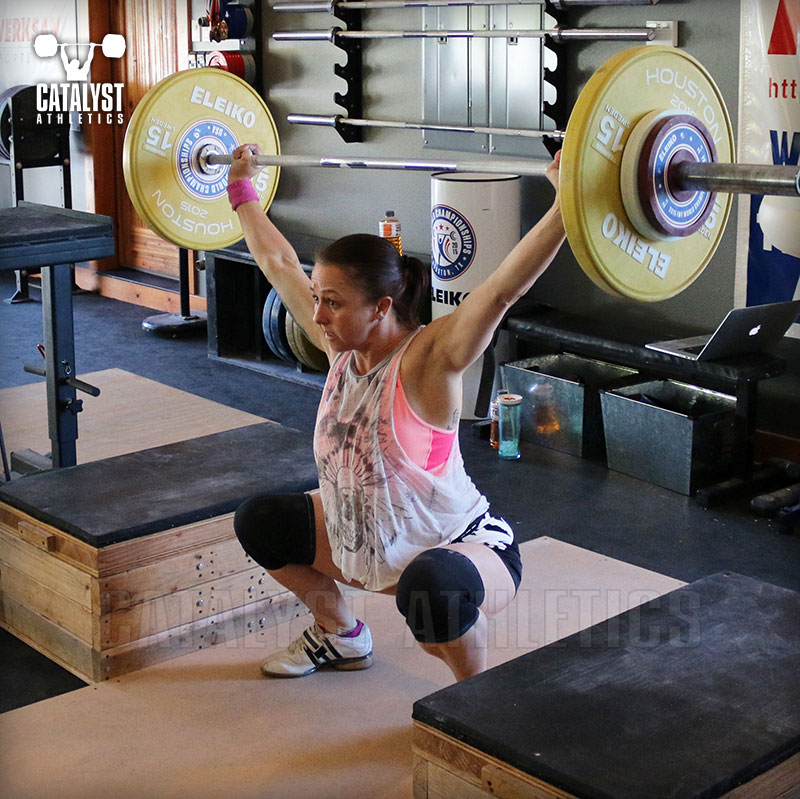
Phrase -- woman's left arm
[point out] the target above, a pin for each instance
(462, 336)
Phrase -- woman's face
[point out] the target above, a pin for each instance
(341, 309)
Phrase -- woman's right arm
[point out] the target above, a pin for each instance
(274, 255)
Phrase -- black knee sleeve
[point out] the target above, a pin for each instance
(439, 593)
(277, 529)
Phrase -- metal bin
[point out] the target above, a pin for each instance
(672, 434)
(561, 402)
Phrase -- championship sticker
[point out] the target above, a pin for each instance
(680, 209)
(452, 243)
(206, 185)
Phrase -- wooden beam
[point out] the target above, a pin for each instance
(157, 36)
(135, 293)
(101, 139)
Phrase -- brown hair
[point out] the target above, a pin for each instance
(378, 269)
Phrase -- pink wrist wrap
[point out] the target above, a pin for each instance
(241, 191)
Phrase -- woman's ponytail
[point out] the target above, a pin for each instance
(415, 290)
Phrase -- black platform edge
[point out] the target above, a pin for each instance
(469, 710)
(128, 496)
(35, 235)
(31, 222)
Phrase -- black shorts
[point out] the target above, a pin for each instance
(495, 533)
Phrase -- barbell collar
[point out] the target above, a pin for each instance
(738, 178)
(532, 167)
(338, 119)
(316, 119)
(556, 34)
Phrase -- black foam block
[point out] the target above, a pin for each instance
(128, 496)
(32, 235)
(685, 697)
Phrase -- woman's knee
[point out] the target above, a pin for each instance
(277, 529)
(439, 594)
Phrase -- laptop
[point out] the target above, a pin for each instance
(756, 328)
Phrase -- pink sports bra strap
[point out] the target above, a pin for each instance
(427, 446)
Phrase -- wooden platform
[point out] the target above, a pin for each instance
(694, 695)
(131, 413)
(132, 559)
(102, 613)
(209, 723)
(113, 564)
(445, 767)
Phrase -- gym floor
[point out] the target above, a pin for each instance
(546, 493)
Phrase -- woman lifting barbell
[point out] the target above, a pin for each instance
(395, 511)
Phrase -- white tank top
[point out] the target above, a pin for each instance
(381, 509)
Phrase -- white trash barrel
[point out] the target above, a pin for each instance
(475, 221)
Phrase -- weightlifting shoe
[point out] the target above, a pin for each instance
(317, 648)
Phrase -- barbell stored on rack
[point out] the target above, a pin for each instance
(554, 34)
(646, 178)
(336, 120)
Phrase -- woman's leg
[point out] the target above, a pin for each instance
(286, 534)
(298, 557)
(468, 654)
(315, 585)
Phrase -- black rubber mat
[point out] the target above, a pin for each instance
(686, 696)
(144, 492)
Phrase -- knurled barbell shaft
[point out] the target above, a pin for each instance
(739, 178)
(728, 178)
(529, 167)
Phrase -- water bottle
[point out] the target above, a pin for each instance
(389, 229)
(508, 406)
(494, 420)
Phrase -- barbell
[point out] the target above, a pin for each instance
(646, 178)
